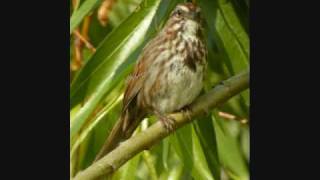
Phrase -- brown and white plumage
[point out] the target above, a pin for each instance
(167, 77)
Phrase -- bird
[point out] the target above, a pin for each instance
(167, 77)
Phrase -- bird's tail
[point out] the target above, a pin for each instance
(114, 138)
(122, 130)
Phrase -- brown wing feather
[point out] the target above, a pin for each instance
(137, 78)
(134, 85)
(131, 114)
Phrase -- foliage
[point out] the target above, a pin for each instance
(217, 147)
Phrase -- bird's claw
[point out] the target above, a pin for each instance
(169, 123)
(186, 112)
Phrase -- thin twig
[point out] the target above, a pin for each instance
(79, 40)
(77, 58)
(85, 27)
(85, 41)
(104, 10)
(232, 117)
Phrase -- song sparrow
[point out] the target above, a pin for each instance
(167, 77)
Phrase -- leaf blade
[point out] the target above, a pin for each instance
(81, 12)
(115, 61)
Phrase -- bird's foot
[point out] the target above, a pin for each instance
(169, 123)
(186, 110)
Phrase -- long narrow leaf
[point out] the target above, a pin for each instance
(206, 133)
(229, 151)
(112, 58)
(233, 22)
(236, 58)
(183, 146)
(201, 169)
(81, 12)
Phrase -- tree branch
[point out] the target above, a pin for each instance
(144, 140)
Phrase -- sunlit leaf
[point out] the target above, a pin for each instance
(129, 170)
(77, 16)
(86, 132)
(110, 63)
(165, 153)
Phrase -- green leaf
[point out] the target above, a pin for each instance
(111, 62)
(234, 25)
(201, 169)
(183, 146)
(227, 42)
(92, 125)
(230, 38)
(129, 170)
(120, 10)
(148, 159)
(245, 142)
(175, 173)
(206, 133)
(81, 12)
(238, 58)
(165, 152)
(229, 150)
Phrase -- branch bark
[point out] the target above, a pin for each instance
(155, 133)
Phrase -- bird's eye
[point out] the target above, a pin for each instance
(178, 12)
